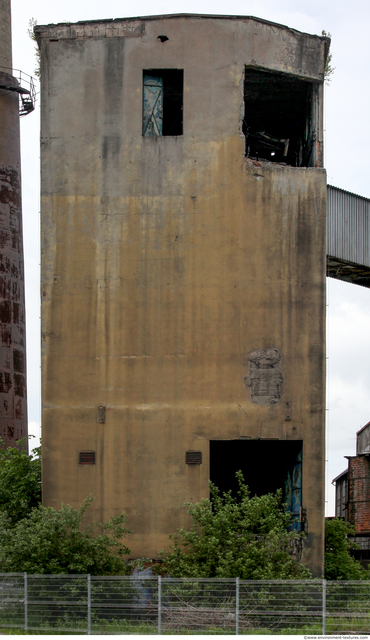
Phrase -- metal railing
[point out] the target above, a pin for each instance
(140, 604)
(24, 85)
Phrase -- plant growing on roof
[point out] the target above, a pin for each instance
(329, 70)
(31, 26)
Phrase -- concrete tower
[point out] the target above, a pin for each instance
(183, 217)
(13, 396)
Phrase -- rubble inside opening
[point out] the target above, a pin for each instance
(278, 120)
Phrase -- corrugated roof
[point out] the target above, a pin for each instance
(350, 193)
(348, 236)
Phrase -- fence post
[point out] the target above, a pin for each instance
(237, 608)
(159, 605)
(88, 604)
(324, 607)
(25, 602)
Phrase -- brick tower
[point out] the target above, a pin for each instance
(13, 393)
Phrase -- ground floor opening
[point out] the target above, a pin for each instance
(267, 465)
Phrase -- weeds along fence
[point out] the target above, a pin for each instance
(139, 604)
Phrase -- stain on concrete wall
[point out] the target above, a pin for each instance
(265, 378)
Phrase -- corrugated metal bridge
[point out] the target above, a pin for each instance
(348, 237)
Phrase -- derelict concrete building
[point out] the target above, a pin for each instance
(183, 267)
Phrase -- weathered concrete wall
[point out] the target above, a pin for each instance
(5, 37)
(13, 396)
(165, 262)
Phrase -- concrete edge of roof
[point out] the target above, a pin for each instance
(167, 16)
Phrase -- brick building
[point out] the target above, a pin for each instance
(353, 492)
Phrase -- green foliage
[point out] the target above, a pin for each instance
(30, 31)
(20, 480)
(235, 537)
(339, 564)
(329, 70)
(45, 540)
(53, 541)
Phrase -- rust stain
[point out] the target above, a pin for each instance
(13, 393)
(5, 382)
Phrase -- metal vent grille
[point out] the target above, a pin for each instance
(87, 457)
(193, 457)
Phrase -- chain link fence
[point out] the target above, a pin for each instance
(140, 604)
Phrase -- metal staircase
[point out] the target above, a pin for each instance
(19, 82)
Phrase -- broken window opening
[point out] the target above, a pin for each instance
(163, 91)
(278, 120)
(267, 465)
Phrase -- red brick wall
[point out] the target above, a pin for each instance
(359, 494)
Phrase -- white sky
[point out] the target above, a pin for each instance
(347, 142)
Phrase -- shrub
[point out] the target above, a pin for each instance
(235, 537)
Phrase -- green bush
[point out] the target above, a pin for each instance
(20, 480)
(45, 540)
(53, 541)
(339, 564)
(235, 537)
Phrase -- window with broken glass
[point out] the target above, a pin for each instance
(279, 122)
(163, 102)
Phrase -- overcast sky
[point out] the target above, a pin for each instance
(347, 141)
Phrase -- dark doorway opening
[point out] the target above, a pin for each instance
(163, 92)
(267, 465)
(278, 122)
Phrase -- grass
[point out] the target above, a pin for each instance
(338, 625)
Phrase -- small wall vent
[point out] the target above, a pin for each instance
(87, 457)
(193, 457)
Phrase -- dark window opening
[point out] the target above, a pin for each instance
(341, 490)
(163, 91)
(278, 120)
(267, 465)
